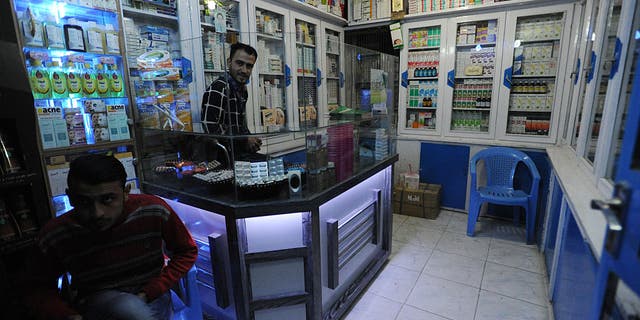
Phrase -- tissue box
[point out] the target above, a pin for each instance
(410, 180)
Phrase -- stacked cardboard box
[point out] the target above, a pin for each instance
(423, 202)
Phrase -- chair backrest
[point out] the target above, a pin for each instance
(500, 164)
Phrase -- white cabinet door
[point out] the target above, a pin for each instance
(474, 47)
(271, 81)
(422, 79)
(305, 48)
(331, 71)
(534, 69)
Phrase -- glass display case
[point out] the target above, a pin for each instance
(318, 210)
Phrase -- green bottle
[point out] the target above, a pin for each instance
(74, 80)
(102, 80)
(115, 82)
(89, 82)
(58, 81)
(39, 80)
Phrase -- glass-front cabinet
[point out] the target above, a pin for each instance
(160, 52)
(333, 65)
(533, 77)
(272, 74)
(473, 74)
(307, 74)
(422, 79)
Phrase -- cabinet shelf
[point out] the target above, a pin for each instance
(422, 108)
(475, 77)
(275, 74)
(528, 76)
(268, 36)
(16, 179)
(86, 147)
(332, 78)
(17, 244)
(333, 53)
(306, 75)
(522, 41)
(309, 45)
(473, 45)
(422, 78)
(472, 109)
(424, 48)
(213, 71)
(530, 111)
(137, 13)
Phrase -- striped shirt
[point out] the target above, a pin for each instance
(128, 257)
(224, 106)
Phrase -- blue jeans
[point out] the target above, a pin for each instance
(118, 305)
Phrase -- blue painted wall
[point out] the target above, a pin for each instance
(448, 166)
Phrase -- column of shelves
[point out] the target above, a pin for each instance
(423, 61)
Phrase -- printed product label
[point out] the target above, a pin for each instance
(73, 83)
(55, 36)
(116, 83)
(59, 84)
(103, 84)
(88, 84)
(41, 83)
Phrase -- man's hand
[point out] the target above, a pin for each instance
(143, 296)
(253, 144)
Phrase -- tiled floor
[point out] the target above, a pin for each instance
(437, 272)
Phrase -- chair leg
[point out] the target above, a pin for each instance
(531, 222)
(516, 215)
(474, 211)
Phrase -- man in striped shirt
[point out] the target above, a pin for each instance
(224, 103)
(115, 247)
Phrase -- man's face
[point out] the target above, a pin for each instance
(240, 66)
(98, 207)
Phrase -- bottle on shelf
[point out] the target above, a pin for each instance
(39, 80)
(74, 80)
(23, 216)
(89, 81)
(58, 81)
(9, 159)
(115, 82)
(102, 81)
(7, 227)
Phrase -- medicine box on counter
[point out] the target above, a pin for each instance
(423, 202)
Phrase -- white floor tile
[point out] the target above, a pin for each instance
(436, 224)
(474, 247)
(410, 313)
(505, 231)
(374, 307)
(527, 258)
(394, 283)
(515, 283)
(461, 269)
(443, 297)
(409, 256)
(417, 236)
(492, 306)
(398, 220)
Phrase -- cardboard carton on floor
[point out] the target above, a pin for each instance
(423, 202)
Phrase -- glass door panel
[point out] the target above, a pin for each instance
(587, 70)
(271, 67)
(332, 69)
(475, 62)
(306, 67)
(625, 94)
(607, 59)
(220, 27)
(535, 64)
(423, 63)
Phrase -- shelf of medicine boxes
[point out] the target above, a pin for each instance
(475, 9)
(87, 147)
(137, 13)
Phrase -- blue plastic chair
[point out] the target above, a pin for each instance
(186, 298)
(500, 165)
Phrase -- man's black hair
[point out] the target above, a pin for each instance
(95, 169)
(245, 47)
